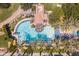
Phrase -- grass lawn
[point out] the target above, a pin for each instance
(5, 13)
(3, 42)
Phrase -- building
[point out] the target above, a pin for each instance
(40, 17)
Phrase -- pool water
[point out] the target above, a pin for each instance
(27, 33)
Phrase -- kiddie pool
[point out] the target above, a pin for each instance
(25, 32)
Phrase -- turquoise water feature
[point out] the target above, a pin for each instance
(28, 33)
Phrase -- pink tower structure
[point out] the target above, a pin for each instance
(40, 17)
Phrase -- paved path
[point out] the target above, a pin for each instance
(34, 54)
(1, 33)
(16, 14)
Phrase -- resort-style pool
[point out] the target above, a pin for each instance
(28, 33)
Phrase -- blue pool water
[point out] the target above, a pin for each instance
(27, 33)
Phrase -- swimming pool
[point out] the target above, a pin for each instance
(28, 33)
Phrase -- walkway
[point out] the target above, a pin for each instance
(16, 14)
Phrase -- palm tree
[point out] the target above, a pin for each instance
(50, 51)
(30, 50)
(40, 50)
(12, 48)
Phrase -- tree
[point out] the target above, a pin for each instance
(50, 51)
(57, 12)
(26, 6)
(71, 12)
(30, 50)
(78, 33)
(7, 31)
(40, 50)
(5, 5)
(12, 48)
